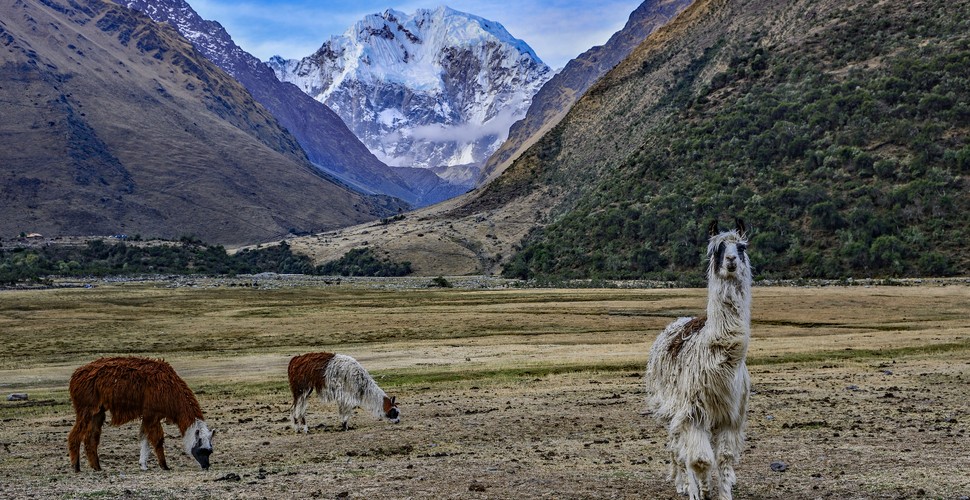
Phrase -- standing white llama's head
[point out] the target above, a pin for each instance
(727, 254)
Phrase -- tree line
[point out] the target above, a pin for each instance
(186, 256)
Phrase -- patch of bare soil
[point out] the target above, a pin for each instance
(847, 431)
(435, 243)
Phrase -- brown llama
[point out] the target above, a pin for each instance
(133, 388)
(339, 378)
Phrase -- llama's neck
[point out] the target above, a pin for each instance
(374, 400)
(729, 307)
(187, 412)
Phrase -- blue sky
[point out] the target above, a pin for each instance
(558, 30)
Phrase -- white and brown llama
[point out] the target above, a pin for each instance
(131, 388)
(339, 378)
(696, 379)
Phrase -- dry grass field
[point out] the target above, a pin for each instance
(862, 392)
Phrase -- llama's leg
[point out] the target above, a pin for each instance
(295, 414)
(300, 404)
(698, 455)
(155, 437)
(345, 412)
(78, 434)
(677, 471)
(145, 450)
(729, 440)
(92, 438)
(729, 443)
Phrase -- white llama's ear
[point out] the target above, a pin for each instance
(712, 228)
(739, 224)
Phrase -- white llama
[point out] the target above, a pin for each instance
(340, 378)
(696, 379)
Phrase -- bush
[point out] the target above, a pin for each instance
(935, 264)
(440, 282)
(363, 262)
(888, 253)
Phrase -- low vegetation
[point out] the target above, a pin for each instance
(186, 256)
(364, 262)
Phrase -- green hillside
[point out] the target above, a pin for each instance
(837, 129)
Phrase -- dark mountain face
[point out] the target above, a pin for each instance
(112, 123)
(555, 98)
(328, 143)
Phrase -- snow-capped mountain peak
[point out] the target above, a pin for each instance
(434, 88)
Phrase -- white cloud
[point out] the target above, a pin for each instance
(468, 132)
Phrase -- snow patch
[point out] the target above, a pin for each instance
(391, 117)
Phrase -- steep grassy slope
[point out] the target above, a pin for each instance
(555, 98)
(837, 129)
(111, 123)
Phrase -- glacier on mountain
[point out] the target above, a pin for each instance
(436, 89)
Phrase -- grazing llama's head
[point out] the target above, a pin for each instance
(727, 252)
(198, 442)
(390, 409)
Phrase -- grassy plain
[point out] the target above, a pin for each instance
(515, 393)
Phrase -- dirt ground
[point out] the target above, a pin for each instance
(859, 392)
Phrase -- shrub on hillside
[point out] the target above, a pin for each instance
(364, 262)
